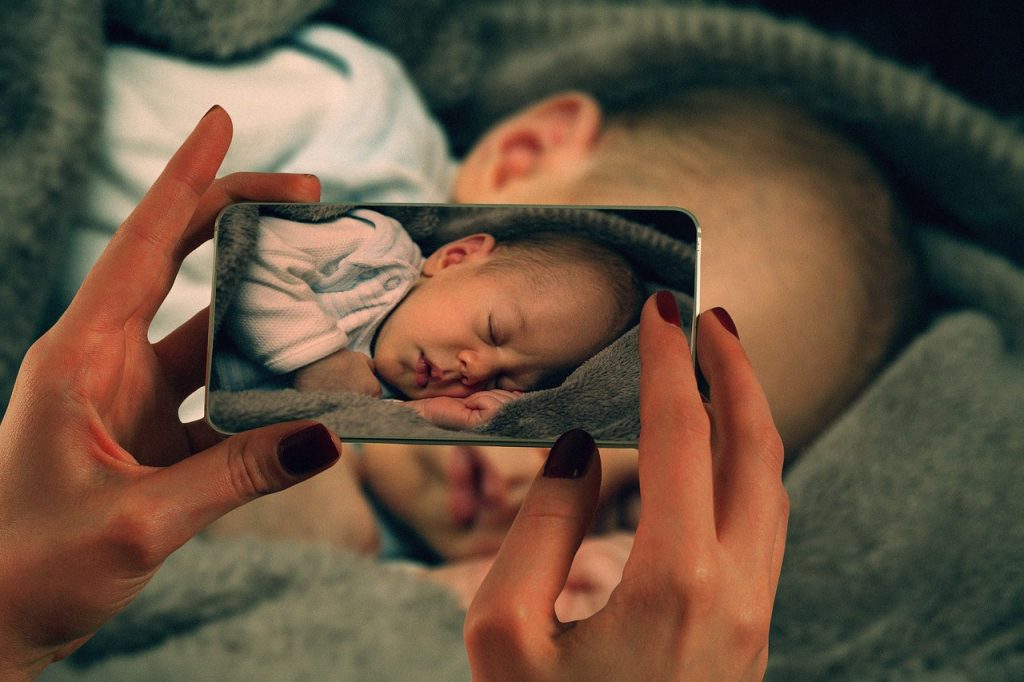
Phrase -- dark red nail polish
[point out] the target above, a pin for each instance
(725, 320)
(215, 106)
(307, 450)
(667, 307)
(570, 455)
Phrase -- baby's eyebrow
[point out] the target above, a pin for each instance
(507, 325)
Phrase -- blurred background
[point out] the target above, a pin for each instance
(975, 47)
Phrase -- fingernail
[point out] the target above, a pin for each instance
(570, 455)
(667, 307)
(307, 450)
(725, 320)
(215, 106)
(311, 176)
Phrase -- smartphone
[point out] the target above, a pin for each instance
(441, 323)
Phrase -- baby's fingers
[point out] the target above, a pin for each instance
(492, 398)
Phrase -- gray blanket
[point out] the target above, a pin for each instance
(905, 545)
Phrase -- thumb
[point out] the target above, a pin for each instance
(200, 489)
(517, 598)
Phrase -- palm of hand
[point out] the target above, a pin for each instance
(108, 391)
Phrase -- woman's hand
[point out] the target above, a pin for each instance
(696, 593)
(86, 515)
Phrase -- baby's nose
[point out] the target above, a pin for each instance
(475, 369)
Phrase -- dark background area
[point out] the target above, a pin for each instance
(977, 48)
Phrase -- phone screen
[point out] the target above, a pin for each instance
(504, 325)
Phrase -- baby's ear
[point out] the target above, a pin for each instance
(469, 249)
(531, 143)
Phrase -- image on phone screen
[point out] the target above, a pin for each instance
(440, 323)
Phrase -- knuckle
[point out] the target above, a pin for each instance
(769, 446)
(250, 475)
(231, 182)
(674, 419)
(37, 354)
(134, 534)
(227, 189)
(750, 626)
(495, 628)
(37, 366)
(558, 509)
(693, 586)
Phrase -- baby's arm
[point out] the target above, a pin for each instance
(463, 413)
(342, 370)
(277, 318)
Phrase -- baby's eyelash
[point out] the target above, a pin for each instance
(490, 330)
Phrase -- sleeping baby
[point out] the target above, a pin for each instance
(801, 236)
(352, 305)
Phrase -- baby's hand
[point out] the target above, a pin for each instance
(342, 370)
(463, 413)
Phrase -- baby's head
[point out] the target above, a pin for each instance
(801, 235)
(518, 314)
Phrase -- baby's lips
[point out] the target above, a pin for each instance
(422, 372)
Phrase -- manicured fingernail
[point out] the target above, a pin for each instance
(215, 106)
(307, 450)
(667, 307)
(725, 320)
(570, 455)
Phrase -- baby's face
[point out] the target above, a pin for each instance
(461, 500)
(460, 331)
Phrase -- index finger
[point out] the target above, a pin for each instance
(139, 262)
(674, 448)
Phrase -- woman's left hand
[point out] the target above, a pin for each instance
(88, 508)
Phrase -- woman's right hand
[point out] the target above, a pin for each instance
(99, 479)
(696, 594)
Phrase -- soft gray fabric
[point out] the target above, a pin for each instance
(601, 396)
(244, 610)
(905, 543)
(50, 69)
